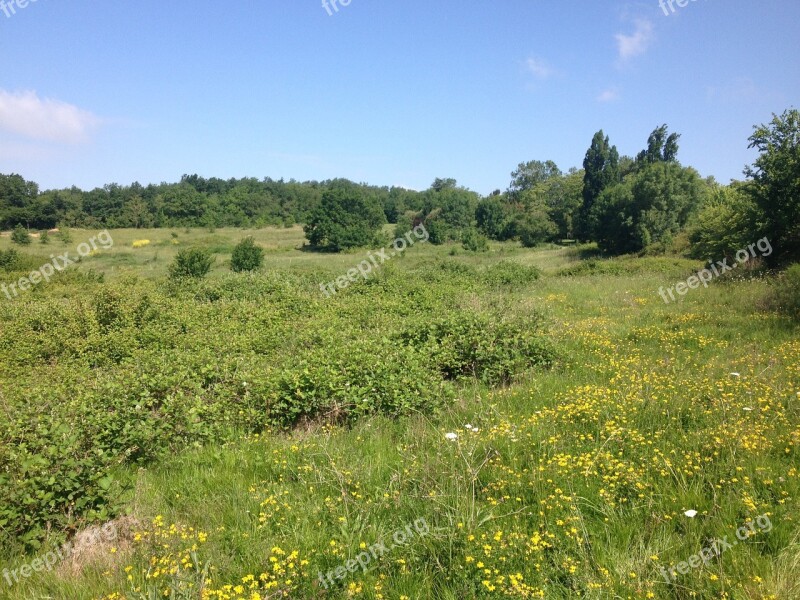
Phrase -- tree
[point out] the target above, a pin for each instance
(564, 197)
(20, 236)
(530, 174)
(247, 256)
(649, 207)
(601, 170)
(534, 226)
(776, 182)
(448, 210)
(346, 218)
(727, 222)
(661, 147)
(491, 217)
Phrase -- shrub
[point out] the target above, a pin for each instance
(473, 241)
(66, 237)
(510, 274)
(785, 297)
(247, 256)
(9, 259)
(44, 237)
(484, 347)
(192, 262)
(342, 386)
(20, 236)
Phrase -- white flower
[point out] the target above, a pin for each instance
(451, 436)
(747, 408)
(467, 426)
(691, 513)
(735, 375)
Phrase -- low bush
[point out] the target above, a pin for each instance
(20, 236)
(192, 263)
(510, 274)
(785, 296)
(247, 256)
(482, 347)
(8, 259)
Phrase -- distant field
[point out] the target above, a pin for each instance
(538, 426)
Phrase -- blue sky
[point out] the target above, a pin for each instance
(386, 92)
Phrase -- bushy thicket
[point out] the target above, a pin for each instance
(785, 297)
(124, 373)
(247, 256)
(191, 262)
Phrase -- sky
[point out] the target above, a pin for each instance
(382, 92)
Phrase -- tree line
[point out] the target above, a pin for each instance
(647, 203)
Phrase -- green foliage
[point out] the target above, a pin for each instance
(247, 256)
(9, 259)
(776, 182)
(564, 198)
(725, 224)
(534, 226)
(193, 201)
(192, 263)
(629, 265)
(601, 171)
(370, 376)
(507, 274)
(65, 236)
(491, 217)
(532, 174)
(44, 237)
(485, 347)
(345, 218)
(650, 206)
(20, 236)
(136, 371)
(19, 203)
(661, 147)
(785, 297)
(474, 241)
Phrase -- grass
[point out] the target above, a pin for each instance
(572, 482)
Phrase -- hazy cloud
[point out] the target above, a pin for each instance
(608, 95)
(25, 114)
(539, 68)
(633, 45)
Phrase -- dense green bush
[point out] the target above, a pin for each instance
(346, 218)
(726, 223)
(474, 241)
(510, 274)
(372, 376)
(191, 262)
(484, 347)
(247, 256)
(8, 259)
(785, 297)
(20, 236)
(114, 374)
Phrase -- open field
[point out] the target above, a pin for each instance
(248, 438)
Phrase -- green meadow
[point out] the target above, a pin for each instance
(535, 423)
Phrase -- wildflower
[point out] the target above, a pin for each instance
(691, 513)
(451, 436)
